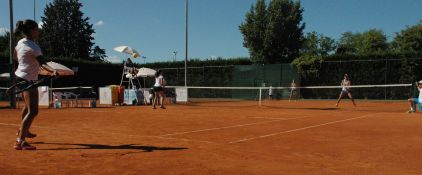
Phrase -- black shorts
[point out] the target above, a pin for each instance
(158, 89)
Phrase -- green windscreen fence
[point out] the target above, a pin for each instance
(274, 75)
(233, 76)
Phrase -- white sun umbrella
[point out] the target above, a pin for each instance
(4, 76)
(127, 50)
(145, 72)
(61, 69)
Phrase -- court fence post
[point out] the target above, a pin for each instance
(260, 96)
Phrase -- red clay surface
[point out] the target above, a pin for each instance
(305, 137)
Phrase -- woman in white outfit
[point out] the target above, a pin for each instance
(30, 60)
(159, 89)
(345, 90)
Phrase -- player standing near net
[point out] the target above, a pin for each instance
(159, 89)
(415, 101)
(345, 90)
(30, 60)
(271, 93)
(293, 91)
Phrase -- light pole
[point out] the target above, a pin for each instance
(186, 42)
(145, 59)
(34, 11)
(175, 53)
(11, 63)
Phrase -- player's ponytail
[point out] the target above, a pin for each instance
(25, 27)
(19, 27)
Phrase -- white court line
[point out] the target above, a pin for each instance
(112, 133)
(300, 129)
(227, 127)
(271, 118)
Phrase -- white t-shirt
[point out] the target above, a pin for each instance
(345, 85)
(270, 91)
(27, 53)
(158, 81)
(293, 86)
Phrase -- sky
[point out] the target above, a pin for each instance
(156, 28)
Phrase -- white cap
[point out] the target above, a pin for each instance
(420, 81)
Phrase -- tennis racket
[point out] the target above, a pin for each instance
(26, 85)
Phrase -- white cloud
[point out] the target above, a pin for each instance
(40, 24)
(99, 23)
(114, 59)
(3, 30)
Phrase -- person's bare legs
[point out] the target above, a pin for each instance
(351, 98)
(154, 101)
(411, 102)
(339, 98)
(163, 96)
(31, 104)
(24, 113)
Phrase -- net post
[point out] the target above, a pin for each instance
(260, 96)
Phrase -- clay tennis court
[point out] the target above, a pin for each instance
(305, 137)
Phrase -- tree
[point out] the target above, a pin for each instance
(253, 30)
(409, 39)
(318, 44)
(372, 41)
(368, 42)
(65, 32)
(273, 34)
(98, 54)
(4, 45)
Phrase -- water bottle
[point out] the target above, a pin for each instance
(93, 103)
(57, 104)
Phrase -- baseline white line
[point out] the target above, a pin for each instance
(112, 133)
(227, 127)
(271, 118)
(300, 129)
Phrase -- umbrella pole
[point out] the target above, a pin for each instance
(51, 93)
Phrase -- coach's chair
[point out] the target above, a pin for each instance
(129, 75)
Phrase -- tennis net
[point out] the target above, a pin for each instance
(389, 92)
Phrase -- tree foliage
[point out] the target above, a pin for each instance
(318, 44)
(65, 31)
(4, 44)
(273, 34)
(98, 54)
(368, 42)
(409, 39)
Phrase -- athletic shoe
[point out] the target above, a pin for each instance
(162, 107)
(24, 146)
(411, 111)
(30, 135)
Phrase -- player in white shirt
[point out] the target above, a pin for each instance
(30, 59)
(159, 89)
(293, 91)
(271, 93)
(345, 90)
(415, 101)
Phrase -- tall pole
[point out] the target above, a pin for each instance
(186, 42)
(34, 11)
(11, 63)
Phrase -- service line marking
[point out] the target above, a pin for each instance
(300, 129)
(233, 126)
